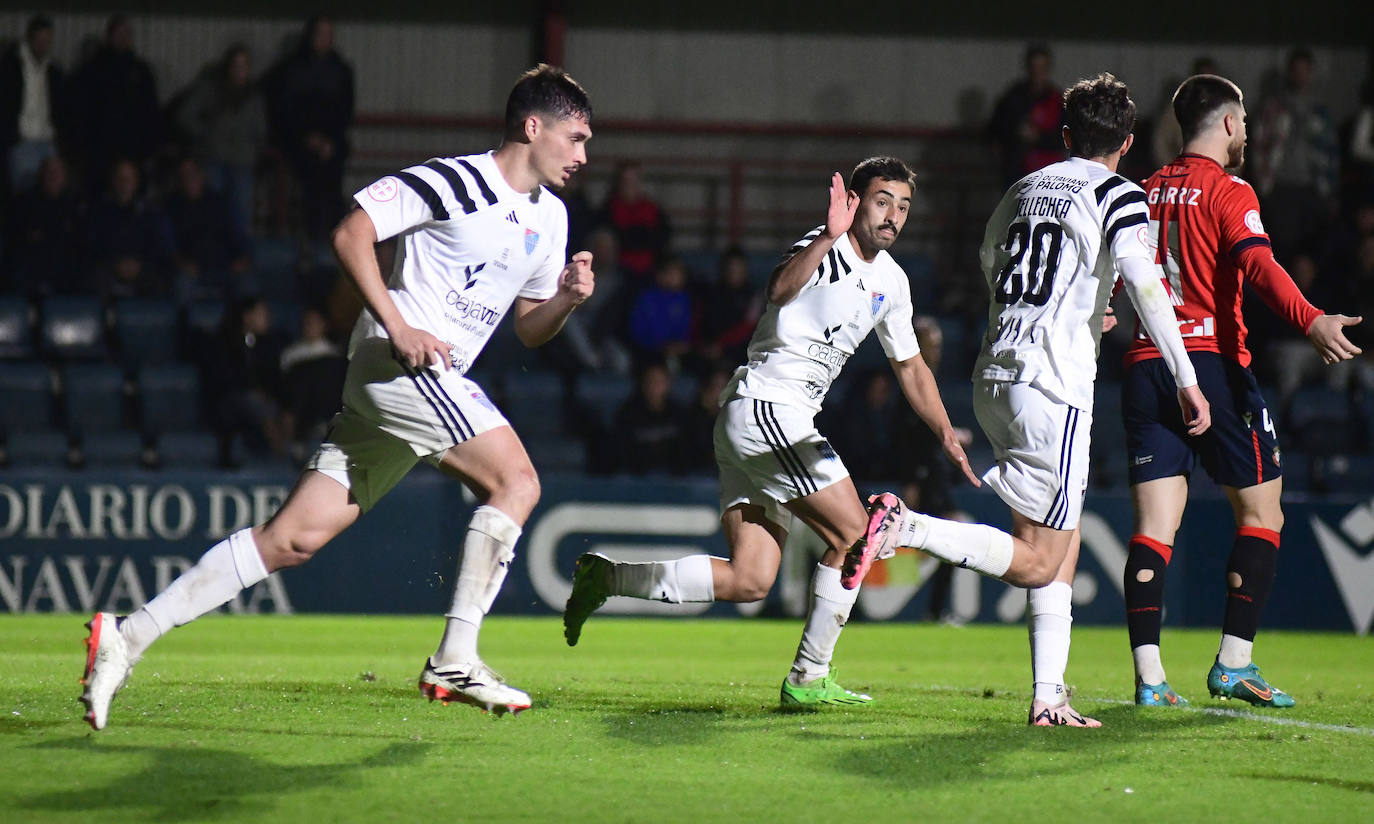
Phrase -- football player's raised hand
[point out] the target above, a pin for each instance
(577, 279)
(1327, 334)
(955, 452)
(843, 205)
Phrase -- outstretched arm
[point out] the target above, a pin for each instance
(536, 321)
(1280, 293)
(921, 391)
(791, 275)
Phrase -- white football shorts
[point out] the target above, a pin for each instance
(1041, 448)
(393, 416)
(769, 454)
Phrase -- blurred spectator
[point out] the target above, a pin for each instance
(45, 234)
(209, 244)
(640, 224)
(130, 246)
(661, 316)
(1167, 138)
(32, 104)
(581, 217)
(116, 107)
(313, 369)
(924, 472)
(699, 422)
(592, 335)
(1025, 121)
(1296, 161)
(648, 426)
(312, 109)
(243, 377)
(727, 311)
(225, 119)
(1361, 149)
(863, 431)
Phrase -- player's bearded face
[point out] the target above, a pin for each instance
(560, 148)
(1235, 150)
(882, 213)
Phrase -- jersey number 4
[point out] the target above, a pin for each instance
(1029, 277)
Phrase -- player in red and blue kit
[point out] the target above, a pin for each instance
(1210, 240)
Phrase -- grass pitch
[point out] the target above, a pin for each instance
(318, 719)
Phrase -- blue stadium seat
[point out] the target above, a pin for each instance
(534, 403)
(25, 397)
(1320, 420)
(188, 449)
(73, 328)
(16, 328)
(203, 319)
(556, 454)
(37, 448)
(145, 331)
(92, 398)
(286, 317)
(169, 398)
(600, 395)
(112, 449)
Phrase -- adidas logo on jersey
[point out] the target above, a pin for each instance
(512, 218)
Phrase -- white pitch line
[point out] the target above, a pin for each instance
(1228, 713)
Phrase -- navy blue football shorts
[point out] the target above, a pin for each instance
(1241, 449)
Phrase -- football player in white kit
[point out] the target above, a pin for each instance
(836, 285)
(1051, 252)
(477, 235)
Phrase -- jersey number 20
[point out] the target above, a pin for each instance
(1030, 280)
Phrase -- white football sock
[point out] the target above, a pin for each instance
(488, 549)
(1235, 652)
(1149, 668)
(974, 546)
(682, 581)
(227, 568)
(1050, 622)
(830, 610)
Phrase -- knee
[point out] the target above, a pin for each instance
(522, 488)
(747, 586)
(281, 551)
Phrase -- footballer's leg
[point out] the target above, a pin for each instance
(1249, 580)
(836, 515)
(1050, 622)
(495, 466)
(1159, 505)
(318, 509)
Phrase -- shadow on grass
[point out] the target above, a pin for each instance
(180, 783)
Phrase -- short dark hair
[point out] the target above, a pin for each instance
(881, 168)
(37, 23)
(1100, 115)
(544, 90)
(1199, 97)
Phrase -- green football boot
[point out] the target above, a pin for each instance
(1158, 695)
(820, 691)
(1246, 684)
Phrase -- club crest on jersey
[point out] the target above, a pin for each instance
(531, 241)
(876, 302)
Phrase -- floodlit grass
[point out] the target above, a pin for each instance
(317, 718)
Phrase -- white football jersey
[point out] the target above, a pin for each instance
(469, 246)
(1049, 256)
(798, 349)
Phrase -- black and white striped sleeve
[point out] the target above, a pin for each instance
(1125, 217)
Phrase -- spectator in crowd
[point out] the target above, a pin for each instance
(212, 252)
(129, 242)
(116, 102)
(925, 474)
(640, 224)
(593, 336)
(1360, 175)
(661, 316)
(312, 110)
(649, 425)
(243, 376)
(699, 422)
(225, 119)
(1025, 121)
(727, 311)
(582, 217)
(313, 370)
(45, 234)
(865, 436)
(32, 104)
(1296, 161)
